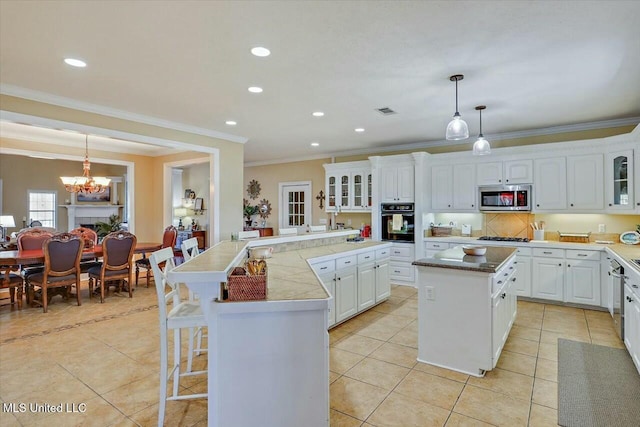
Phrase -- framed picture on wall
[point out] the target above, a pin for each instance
(198, 204)
(96, 197)
(187, 193)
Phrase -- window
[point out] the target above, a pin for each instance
(295, 205)
(42, 207)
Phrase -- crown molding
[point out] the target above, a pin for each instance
(61, 101)
(287, 160)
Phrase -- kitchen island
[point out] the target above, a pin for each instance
(466, 308)
(268, 360)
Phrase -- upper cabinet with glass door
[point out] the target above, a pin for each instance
(348, 187)
(619, 181)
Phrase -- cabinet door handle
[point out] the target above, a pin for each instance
(339, 278)
(506, 274)
(367, 257)
(547, 253)
(559, 264)
(513, 280)
(568, 265)
(610, 204)
(629, 299)
(572, 204)
(634, 286)
(503, 295)
(499, 282)
(323, 268)
(347, 262)
(396, 271)
(539, 206)
(583, 255)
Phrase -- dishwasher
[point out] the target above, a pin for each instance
(616, 291)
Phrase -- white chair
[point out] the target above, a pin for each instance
(253, 234)
(288, 231)
(183, 315)
(316, 228)
(190, 250)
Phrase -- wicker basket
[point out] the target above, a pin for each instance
(437, 231)
(244, 287)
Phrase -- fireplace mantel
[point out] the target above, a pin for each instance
(89, 210)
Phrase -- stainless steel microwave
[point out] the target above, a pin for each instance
(506, 198)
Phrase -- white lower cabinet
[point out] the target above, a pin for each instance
(402, 255)
(366, 285)
(355, 282)
(583, 282)
(547, 278)
(346, 293)
(504, 308)
(329, 282)
(632, 324)
(522, 284)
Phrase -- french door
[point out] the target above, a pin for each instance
(295, 205)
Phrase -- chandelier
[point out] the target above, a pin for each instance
(85, 184)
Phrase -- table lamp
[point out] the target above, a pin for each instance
(180, 213)
(6, 221)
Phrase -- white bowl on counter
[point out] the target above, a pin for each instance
(474, 250)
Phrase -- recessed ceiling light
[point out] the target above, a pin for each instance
(260, 51)
(230, 123)
(75, 62)
(255, 89)
(359, 129)
(318, 114)
(315, 144)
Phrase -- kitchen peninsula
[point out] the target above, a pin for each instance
(269, 359)
(466, 308)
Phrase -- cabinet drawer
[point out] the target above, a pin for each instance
(548, 253)
(401, 271)
(403, 251)
(524, 251)
(324, 267)
(577, 254)
(383, 253)
(366, 257)
(436, 245)
(347, 261)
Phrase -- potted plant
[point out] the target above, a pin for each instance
(104, 228)
(249, 211)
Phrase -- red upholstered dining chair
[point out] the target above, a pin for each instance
(117, 263)
(29, 239)
(168, 241)
(62, 253)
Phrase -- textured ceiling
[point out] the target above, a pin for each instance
(534, 64)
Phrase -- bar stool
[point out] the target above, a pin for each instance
(183, 315)
(190, 250)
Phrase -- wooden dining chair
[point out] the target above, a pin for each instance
(169, 238)
(30, 239)
(13, 282)
(90, 238)
(116, 265)
(62, 253)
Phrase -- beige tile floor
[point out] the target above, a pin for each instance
(107, 355)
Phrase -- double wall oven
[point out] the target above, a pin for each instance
(398, 222)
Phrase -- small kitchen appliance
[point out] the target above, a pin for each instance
(505, 198)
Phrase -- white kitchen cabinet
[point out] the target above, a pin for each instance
(453, 188)
(329, 282)
(636, 177)
(522, 285)
(383, 284)
(547, 278)
(582, 282)
(397, 183)
(464, 188)
(431, 248)
(348, 187)
(507, 172)
(504, 306)
(619, 181)
(366, 285)
(346, 293)
(632, 324)
(441, 188)
(550, 184)
(400, 268)
(585, 182)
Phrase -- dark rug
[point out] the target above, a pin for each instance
(597, 386)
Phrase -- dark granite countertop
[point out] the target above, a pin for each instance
(456, 259)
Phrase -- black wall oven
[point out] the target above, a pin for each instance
(398, 222)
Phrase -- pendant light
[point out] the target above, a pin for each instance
(85, 184)
(457, 128)
(481, 147)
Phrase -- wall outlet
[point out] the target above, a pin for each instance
(323, 221)
(431, 293)
(602, 228)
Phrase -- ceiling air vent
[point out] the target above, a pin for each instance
(385, 111)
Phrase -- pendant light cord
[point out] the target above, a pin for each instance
(456, 96)
(480, 122)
